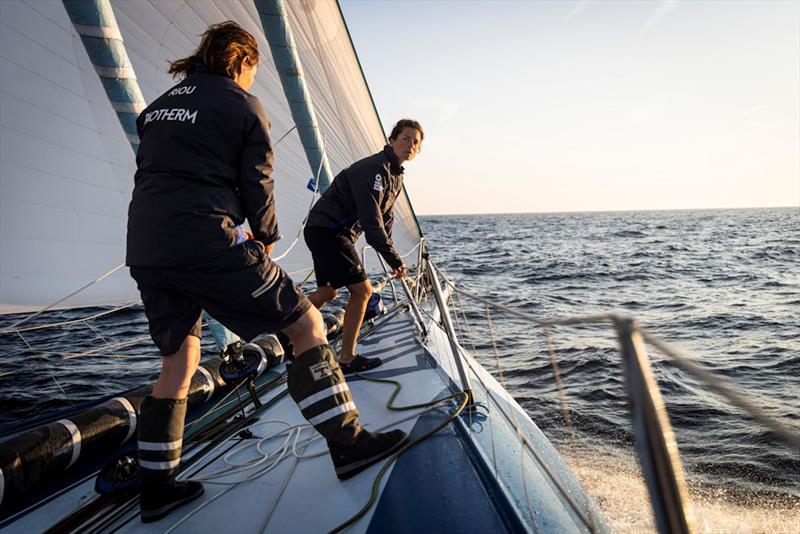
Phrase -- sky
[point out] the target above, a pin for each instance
(535, 106)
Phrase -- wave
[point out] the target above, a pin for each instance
(725, 296)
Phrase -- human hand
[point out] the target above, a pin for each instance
(400, 272)
(269, 248)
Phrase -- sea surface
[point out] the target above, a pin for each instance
(723, 286)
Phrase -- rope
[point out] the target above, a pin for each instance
(42, 357)
(557, 375)
(72, 321)
(524, 440)
(14, 326)
(390, 460)
(308, 276)
(310, 206)
(684, 362)
(514, 423)
(726, 390)
(284, 136)
(292, 446)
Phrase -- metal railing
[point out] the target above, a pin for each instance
(655, 441)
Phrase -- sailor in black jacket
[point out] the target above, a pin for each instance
(360, 198)
(204, 166)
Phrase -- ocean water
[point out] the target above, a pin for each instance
(723, 286)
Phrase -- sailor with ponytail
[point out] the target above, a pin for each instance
(205, 167)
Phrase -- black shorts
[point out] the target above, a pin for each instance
(241, 288)
(336, 262)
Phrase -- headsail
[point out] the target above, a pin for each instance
(67, 166)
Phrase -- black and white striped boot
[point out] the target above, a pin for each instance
(160, 443)
(317, 385)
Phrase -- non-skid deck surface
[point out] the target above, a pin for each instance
(304, 495)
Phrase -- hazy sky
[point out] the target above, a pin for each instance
(589, 105)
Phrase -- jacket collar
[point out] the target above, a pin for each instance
(392, 157)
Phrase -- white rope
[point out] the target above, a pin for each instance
(291, 446)
(412, 249)
(305, 270)
(29, 317)
(686, 363)
(310, 206)
(512, 420)
(14, 328)
(46, 366)
(72, 321)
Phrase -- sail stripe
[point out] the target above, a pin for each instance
(115, 72)
(103, 32)
(325, 393)
(75, 433)
(129, 107)
(96, 24)
(275, 23)
(333, 412)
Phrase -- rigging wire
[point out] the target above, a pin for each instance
(390, 460)
(557, 376)
(27, 318)
(14, 327)
(42, 357)
(256, 467)
(310, 206)
(515, 424)
(72, 321)
(686, 363)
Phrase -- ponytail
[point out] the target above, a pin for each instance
(222, 49)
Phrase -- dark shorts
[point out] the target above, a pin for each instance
(241, 288)
(336, 262)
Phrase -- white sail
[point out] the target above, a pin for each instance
(67, 166)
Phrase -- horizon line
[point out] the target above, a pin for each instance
(603, 211)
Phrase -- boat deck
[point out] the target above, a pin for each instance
(460, 479)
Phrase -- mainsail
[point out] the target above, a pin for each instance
(66, 165)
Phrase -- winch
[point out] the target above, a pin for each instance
(333, 323)
(375, 307)
(249, 360)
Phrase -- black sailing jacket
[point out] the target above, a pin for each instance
(361, 197)
(204, 165)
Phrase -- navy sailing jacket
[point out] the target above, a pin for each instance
(204, 165)
(361, 197)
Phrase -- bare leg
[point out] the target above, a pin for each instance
(322, 296)
(307, 332)
(177, 371)
(353, 317)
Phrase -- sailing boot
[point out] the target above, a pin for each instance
(160, 443)
(318, 387)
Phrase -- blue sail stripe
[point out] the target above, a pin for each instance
(94, 21)
(274, 21)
